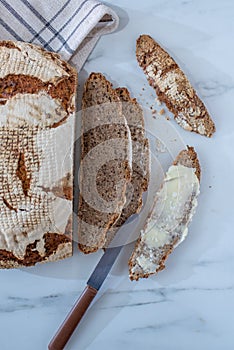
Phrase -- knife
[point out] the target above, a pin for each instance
(77, 312)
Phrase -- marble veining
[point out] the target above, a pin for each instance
(189, 305)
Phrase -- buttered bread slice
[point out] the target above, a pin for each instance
(37, 111)
(167, 224)
(173, 87)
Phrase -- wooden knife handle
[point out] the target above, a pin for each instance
(73, 318)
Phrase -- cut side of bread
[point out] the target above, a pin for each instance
(140, 160)
(172, 87)
(167, 224)
(37, 111)
(105, 167)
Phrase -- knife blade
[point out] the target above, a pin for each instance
(94, 283)
(103, 267)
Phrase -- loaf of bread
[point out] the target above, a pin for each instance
(105, 167)
(172, 87)
(167, 224)
(37, 110)
(140, 160)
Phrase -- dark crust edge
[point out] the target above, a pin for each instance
(9, 44)
(187, 158)
(32, 256)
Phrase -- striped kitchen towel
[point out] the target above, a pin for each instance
(69, 27)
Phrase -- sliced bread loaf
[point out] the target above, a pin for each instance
(173, 87)
(167, 224)
(105, 162)
(140, 160)
(37, 110)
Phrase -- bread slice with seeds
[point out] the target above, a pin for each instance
(140, 160)
(105, 167)
(173, 87)
(37, 112)
(167, 224)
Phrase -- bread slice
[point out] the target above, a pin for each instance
(140, 160)
(167, 224)
(173, 87)
(37, 111)
(105, 162)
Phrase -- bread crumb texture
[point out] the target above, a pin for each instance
(105, 167)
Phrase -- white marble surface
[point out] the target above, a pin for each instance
(190, 304)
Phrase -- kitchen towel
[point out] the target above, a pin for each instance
(68, 27)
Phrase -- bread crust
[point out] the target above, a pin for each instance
(172, 87)
(28, 71)
(57, 247)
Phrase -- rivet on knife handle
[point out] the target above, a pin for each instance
(73, 318)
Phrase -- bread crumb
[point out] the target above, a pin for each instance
(160, 146)
(167, 118)
(154, 111)
(162, 111)
(158, 102)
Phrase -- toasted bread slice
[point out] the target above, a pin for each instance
(105, 166)
(167, 224)
(173, 87)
